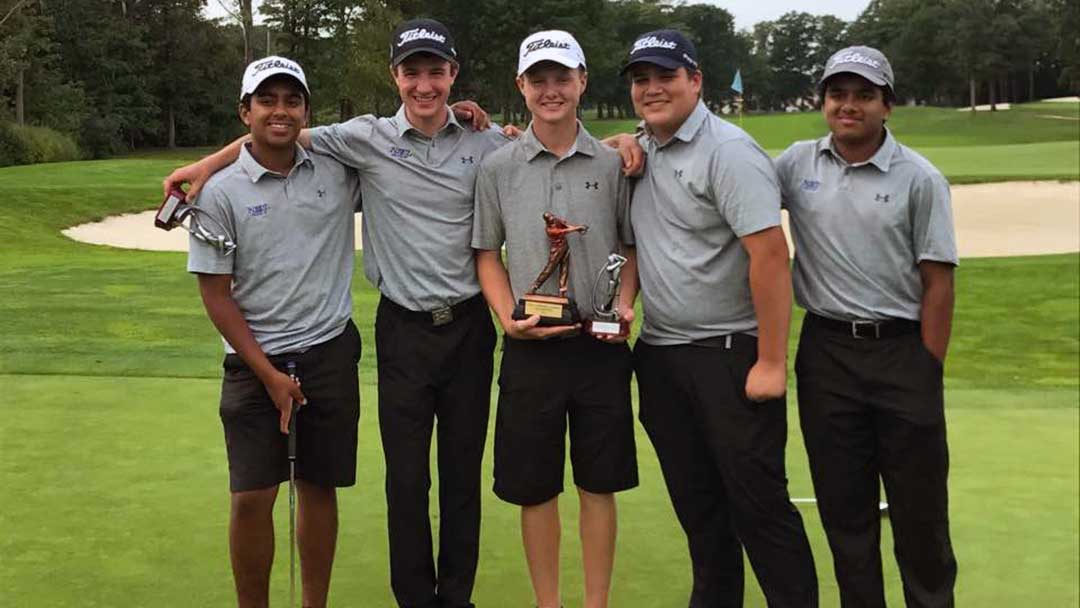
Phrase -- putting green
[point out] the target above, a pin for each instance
(122, 498)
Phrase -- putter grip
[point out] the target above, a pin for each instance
(291, 368)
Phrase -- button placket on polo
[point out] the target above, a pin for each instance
(558, 188)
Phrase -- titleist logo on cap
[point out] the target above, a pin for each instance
(545, 43)
(652, 42)
(855, 57)
(420, 33)
(274, 63)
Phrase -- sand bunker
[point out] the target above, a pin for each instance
(1012, 218)
(137, 231)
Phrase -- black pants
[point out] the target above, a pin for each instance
(874, 408)
(723, 461)
(428, 372)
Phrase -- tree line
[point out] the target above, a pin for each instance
(124, 74)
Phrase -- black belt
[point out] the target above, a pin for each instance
(865, 330)
(440, 316)
(727, 341)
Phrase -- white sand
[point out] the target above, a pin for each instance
(987, 107)
(137, 231)
(1013, 218)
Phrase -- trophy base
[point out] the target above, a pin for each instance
(602, 328)
(553, 310)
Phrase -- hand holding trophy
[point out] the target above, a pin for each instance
(553, 310)
(607, 321)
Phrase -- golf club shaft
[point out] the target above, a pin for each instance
(291, 367)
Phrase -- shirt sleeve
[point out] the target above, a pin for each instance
(745, 188)
(783, 175)
(626, 230)
(348, 142)
(488, 231)
(932, 234)
(203, 258)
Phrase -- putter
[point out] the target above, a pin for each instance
(291, 367)
(175, 210)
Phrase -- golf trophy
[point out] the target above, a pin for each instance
(553, 310)
(606, 319)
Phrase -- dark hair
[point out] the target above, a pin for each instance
(246, 100)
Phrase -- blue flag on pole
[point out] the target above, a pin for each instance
(736, 84)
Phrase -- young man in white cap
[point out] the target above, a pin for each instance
(274, 310)
(874, 259)
(711, 359)
(556, 173)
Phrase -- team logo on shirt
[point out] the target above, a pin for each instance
(401, 153)
(810, 185)
(881, 198)
(592, 185)
(258, 210)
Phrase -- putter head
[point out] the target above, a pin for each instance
(173, 210)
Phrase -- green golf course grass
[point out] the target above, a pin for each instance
(112, 460)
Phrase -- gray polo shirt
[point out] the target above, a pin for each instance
(860, 230)
(293, 264)
(702, 191)
(418, 203)
(523, 180)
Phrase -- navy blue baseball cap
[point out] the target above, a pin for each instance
(666, 48)
(421, 36)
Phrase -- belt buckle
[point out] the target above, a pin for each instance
(442, 316)
(855, 325)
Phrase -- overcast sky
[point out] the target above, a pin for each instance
(747, 12)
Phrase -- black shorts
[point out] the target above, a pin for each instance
(544, 383)
(326, 428)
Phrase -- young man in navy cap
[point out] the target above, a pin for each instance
(558, 376)
(711, 359)
(875, 253)
(273, 310)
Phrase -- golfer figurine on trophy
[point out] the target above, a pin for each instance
(553, 310)
(607, 321)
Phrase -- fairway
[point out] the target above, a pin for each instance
(112, 458)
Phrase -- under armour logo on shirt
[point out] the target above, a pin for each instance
(678, 173)
(881, 198)
(320, 193)
(466, 160)
(402, 153)
(592, 185)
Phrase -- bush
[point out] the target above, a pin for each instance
(25, 145)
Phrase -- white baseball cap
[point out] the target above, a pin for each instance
(551, 45)
(261, 69)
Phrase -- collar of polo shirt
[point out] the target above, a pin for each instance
(689, 128)
(881, 159)
(404, 126)
(256, 171)
(583, 143)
